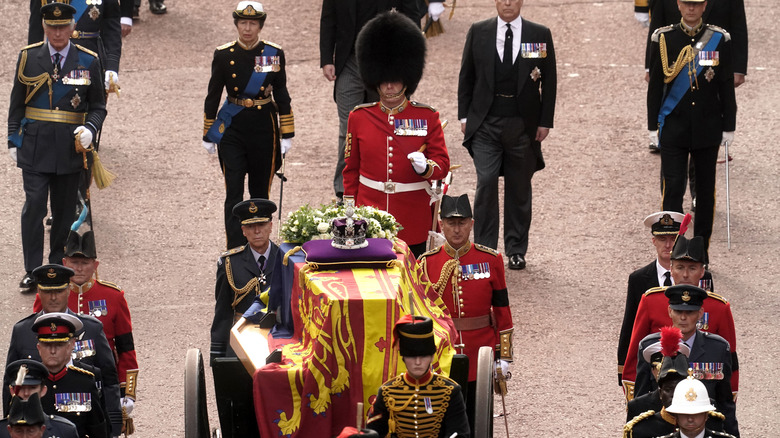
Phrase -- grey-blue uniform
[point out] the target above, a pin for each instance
(98, 28)
(48, 102)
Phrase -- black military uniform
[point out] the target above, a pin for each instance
(92, 347)
(98, 28)
(429, 406)
(256, 114)
(710, 357)
(71, 391)
(33, 373)
(41, 125)
(691, 102)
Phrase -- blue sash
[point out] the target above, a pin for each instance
(59, 90)
(80, 6)
(682, 83)
(229, 110)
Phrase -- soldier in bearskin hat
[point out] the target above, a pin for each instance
(394, 147)
(398, 409)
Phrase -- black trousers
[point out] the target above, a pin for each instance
(248, 148)
(674, 165)
(501, 142)
(62, 191)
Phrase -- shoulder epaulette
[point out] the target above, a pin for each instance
(721, 30)
(364, 105)
(486, 249)
(660, 30)
(109, 284)
(268, 43)
(723, 434)
(717, 415)
(630, 425)
(655, 290)
(225, 46)
(30, 46)
(85, 50)
(422, 105)
(232, 251)
(718, 297)
(80, 370)
(442, 379)
(431, 252)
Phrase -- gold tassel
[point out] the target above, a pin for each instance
(433, 29)
(128, 428)
(103, 178)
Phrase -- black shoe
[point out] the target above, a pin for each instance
(654, 149)
(157, 7)
(516, 261)
(693, 205)
(27, 284)
(48, 221)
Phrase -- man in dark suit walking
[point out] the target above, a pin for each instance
(340, 23)
(506, 103)
(664, 227)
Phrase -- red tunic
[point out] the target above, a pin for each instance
(376, 148)
(473, 287)
(106, 302)
(653, 313)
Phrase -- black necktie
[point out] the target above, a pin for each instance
(57, 58)
(508, 45)
(261, 262)
(668, 281)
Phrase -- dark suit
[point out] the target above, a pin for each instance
(24, 343)
(694, 127)
(340, 23)
(46, 155)
(243, 270)
(498, 142)
(100, 26)
(639, 282)
(708, 349)
(728, 14)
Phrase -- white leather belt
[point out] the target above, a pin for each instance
(390, 187)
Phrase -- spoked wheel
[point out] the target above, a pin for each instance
(196, 417)
(483, 411)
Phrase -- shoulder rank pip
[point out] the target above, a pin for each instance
(659, 31)
(422, 105)
(486, 249)
(725, 33)
(225, 46)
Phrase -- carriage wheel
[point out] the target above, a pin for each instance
(483, 412)
(196, 417)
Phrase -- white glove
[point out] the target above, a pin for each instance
(13, 151)
(435, 9)
(286, 145)
(109, 74)
(728, 137)
(128, 404)
(504, 365)
(643, 18)
(654, 138)
(210, 147)
(419, 163)
(85, 136)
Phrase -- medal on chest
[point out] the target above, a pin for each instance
(410, 127)
(475, 271)
(73, 402)
(98, 308)
(533, 50)
(707, 370)
(77, 77)
(94, 13)
(85, 348)
(266, 64)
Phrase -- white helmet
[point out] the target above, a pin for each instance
(690, 397)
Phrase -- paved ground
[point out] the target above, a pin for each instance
(159, 226)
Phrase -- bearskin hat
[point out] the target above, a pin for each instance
(391, 48)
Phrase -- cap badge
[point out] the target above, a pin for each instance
(57, 12)
(666, 220)
(686, 296)
(690, 395)
(53, 327)
(51, 273)
(252, 206)
(249, 10)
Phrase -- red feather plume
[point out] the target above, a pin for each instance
(670, 340)
(684, 225)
